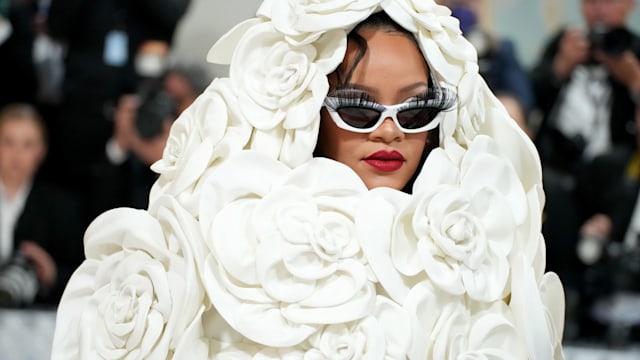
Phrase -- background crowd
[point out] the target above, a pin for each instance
(89, 89)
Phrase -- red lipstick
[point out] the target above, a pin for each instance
(386, 161)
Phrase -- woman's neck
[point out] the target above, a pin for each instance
(12, 187)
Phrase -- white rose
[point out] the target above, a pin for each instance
(284, 255)
(135, 294)
(211, 128)
(295, 18)
(281, 88)
(455, 328)
(461, 231)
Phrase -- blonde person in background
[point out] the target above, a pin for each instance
(41, 228)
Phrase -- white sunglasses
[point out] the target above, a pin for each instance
(365, 118)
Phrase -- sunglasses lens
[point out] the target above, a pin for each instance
(417, 118)
(359, 117)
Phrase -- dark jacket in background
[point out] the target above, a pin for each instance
(555, 149)
(51, 219)
(17, 71)
(91, 86)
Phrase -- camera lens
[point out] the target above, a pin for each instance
(18, 282)
(612, 41)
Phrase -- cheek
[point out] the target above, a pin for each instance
(415, 146)
(417, 142)
(333, 142)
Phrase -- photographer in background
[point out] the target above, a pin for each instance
(141, 124)
(587, 88)
(40, 225)
(141, 127)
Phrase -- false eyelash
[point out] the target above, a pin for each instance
(439, 98)
(351, 97)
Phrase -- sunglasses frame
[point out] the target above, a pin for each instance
(389, 111)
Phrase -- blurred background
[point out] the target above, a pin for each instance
(527, 22)
(96, 85)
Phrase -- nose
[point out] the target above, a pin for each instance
(387, 132)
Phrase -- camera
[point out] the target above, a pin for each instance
(610, 40)
(18, 282)
(156, 107)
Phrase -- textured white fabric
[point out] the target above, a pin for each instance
(253, 249)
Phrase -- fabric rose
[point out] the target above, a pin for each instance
(449, 327)
(295, 18)
(136, 293)
(281, 88)
(460, 225)
(284, 258)
(208, 130)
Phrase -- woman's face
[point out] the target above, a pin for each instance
(22, 149)
(391, 72)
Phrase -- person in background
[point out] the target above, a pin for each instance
(142, 121)
(497, 60)
(40, 225)
(101, 37)
(587, 87)
(608, 246)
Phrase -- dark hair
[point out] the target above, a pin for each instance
(379, 20)
(24, 111)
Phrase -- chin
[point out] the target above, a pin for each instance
(388, 183)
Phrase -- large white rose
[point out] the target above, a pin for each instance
(461, 223)
(281, 88)
(284, 258)
(448, 327)
(136, 293)
(209, 129)
(295, 18)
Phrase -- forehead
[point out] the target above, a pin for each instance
(13, 122)
(391, 57)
